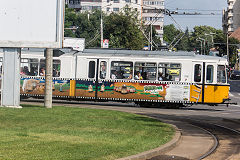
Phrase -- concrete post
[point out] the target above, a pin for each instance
(48, 78)
(10, 96)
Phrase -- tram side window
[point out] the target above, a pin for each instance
(197, 73)
(210, 74)
(169, 72)
(103, 69)
(91, 69)
(145, 70)
(121, 70)
(221, 74)
(56, 68)
(29, 67)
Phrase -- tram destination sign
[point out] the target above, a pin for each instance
(31, 23)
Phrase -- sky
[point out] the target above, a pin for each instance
(200, 6)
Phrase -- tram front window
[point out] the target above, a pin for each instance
(121, 70)
(221, 74)
(148, 71)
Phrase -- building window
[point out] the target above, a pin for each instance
(128, 1)
(115, 9)
(136, 1)
(108, 9)
(116, 1)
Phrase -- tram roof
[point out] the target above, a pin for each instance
(148, 54)
(137, 52)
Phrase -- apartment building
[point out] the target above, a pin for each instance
(150, 11)
(152, 14)
(231, 18)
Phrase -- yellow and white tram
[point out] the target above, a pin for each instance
(122, 75)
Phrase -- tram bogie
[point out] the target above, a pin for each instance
(144, 77)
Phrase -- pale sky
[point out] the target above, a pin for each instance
(200, 6)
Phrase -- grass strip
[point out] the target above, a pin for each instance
(75, 133)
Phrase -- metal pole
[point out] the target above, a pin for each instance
(48, 78)
(228, 49)
(204, 47)
(101, 30)
(201, 48)
(149, 42)
(212, 41)
(151, 37)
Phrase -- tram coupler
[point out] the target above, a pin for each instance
(229, 103)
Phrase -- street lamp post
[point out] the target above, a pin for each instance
(201, 44)
(101, 24)
(211, 34)
(204, 45)
(227, 49)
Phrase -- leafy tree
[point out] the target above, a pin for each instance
(123, 30)
(89, 28)
(185, 43)
(170, 32)
(70, 19)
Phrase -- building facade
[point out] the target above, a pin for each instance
(153, 14)
(150, 11)
(231, 18)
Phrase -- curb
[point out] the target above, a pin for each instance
(157, 151)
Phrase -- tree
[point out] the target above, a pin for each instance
(170, 32)
(70, 19)
(89, 28)
(123, 30)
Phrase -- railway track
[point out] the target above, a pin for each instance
(226, 139)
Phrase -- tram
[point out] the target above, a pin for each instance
(143, 77)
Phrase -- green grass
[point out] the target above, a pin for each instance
(75, 133)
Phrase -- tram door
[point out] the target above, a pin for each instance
(209, 87)
(203, 77)
(100, 68)
(197, 87)
(86, 85)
